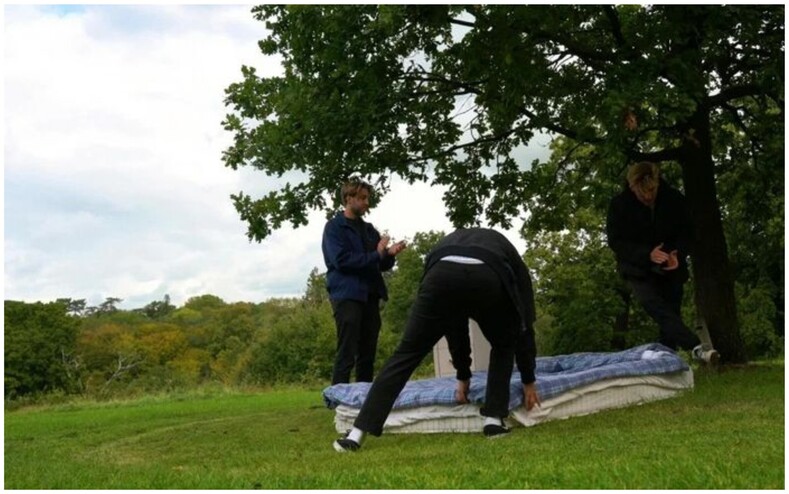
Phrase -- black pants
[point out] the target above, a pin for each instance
(358, 325)
(662, 299)
(449, 295)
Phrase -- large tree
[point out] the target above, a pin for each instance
(39, 347)
(451, 94)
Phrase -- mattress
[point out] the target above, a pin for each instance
(569, 386)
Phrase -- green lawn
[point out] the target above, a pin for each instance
(726, 434)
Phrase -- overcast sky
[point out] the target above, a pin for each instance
(113, 180)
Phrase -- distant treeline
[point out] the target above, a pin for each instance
(67, 347)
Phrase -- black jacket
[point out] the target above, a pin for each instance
(634, 229)
(496, 251)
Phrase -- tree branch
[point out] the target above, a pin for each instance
(558, 129)
(461, 23)
(733, 92)
(616, 25)
(458, 147)
(668, 154)
(465, 86)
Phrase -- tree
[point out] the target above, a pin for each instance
(158, 309)
(74, 307)
(316, 293)
(106, 307)
(39, 342)
(451, 93)
(111, 354)
(403, 281)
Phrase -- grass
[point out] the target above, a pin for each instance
(728, 433)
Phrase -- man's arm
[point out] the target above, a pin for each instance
(459, 344)
(525, 359)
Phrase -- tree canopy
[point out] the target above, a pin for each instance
(453, 94)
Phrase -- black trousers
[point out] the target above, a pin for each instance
(358, 325)
(662, 299)
(449, 295)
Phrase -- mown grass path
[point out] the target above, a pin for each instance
(726, 434)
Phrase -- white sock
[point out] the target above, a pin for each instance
(493, 421)
(356, 435)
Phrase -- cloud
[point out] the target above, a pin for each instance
(114, 184)
(113, 172)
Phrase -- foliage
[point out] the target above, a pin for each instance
(452, 94)
(158, 308)
(403, 282)
(299, 347)
(316, 293)
(758, 313)
(39, 347)
(452, 91)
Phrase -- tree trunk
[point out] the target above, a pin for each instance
(709, 257)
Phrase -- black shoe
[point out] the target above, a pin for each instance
(345, 445)
(492, 431)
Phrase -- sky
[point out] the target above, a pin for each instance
(113, 180)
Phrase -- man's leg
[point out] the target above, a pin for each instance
(490, 305)
(425, 327)
(684, 336)
(661, 300)
(368, 341)
(498, 327)
(348, 319)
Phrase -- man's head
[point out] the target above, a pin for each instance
(643, 179)
(356, 197)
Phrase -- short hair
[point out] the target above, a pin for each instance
(644, 175)
(352, 186)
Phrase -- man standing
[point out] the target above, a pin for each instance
(355, 255)
(650, 233)
(471, 273)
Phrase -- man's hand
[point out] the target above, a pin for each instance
(530, 397)
(672, 262)
(383, 244)
(658, 255)
(461, 392)
(396, 248)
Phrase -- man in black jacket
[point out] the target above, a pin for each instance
(649, 230)
(471, 273)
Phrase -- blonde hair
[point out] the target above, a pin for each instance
(644, 175)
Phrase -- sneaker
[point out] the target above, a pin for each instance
(492, 431)
(709, 357)
(712, 357)
(345, 445)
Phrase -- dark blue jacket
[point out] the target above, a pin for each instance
(353, 272)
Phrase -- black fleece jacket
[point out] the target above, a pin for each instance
(496, 251)
(634, 229)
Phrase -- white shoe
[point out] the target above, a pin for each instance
(709, 357)
(345, 445)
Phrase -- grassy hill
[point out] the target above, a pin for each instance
(728, 433)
